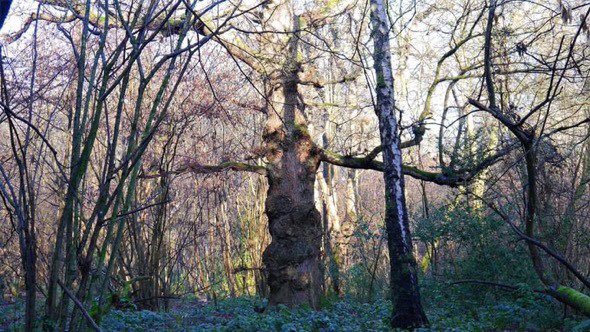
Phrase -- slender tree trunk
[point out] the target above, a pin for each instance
(349, 221)
(224, 234)
(31, 287)
(407, 308)
(331, 227)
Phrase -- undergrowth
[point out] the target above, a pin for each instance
(519, 311)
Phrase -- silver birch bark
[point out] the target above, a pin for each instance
(407, 308)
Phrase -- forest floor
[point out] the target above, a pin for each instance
(241, 314)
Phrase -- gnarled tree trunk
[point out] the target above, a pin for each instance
(292, 259)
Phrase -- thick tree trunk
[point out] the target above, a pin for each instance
(407, 308)
(292, 259)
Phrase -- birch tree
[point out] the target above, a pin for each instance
(405, 292)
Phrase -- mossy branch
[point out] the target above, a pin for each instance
(447, 177)
(573, 298)
(370, 163)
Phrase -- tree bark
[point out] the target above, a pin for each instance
(407, 308)
(350, 219)
(292, 259)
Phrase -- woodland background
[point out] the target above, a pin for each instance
(134, 161)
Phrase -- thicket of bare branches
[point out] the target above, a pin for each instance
(222, 148)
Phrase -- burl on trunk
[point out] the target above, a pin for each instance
(292, 259)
